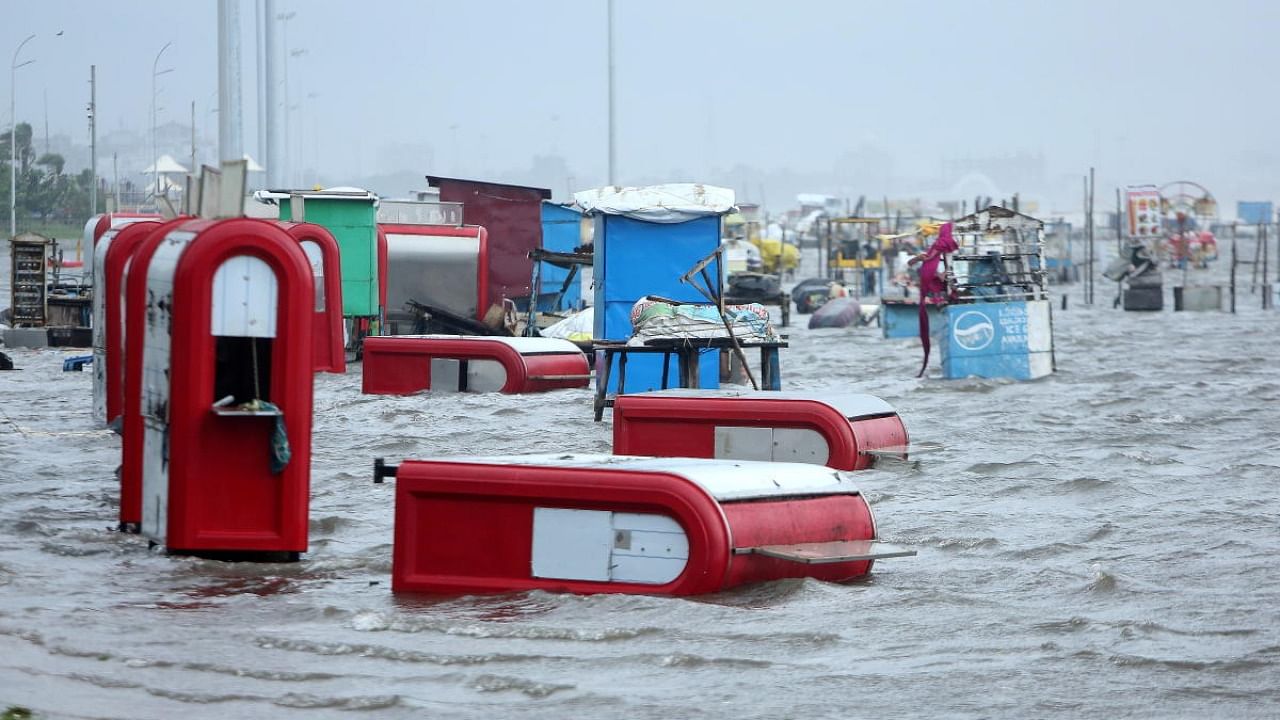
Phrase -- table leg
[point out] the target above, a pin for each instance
(690, 377)
(602, 381)
(666, 368)
(770, 369)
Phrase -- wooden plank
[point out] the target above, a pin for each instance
(830, 552)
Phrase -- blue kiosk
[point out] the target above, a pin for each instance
(645, 240)
(999, 323)
(561, 233)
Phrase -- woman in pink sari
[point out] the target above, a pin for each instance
(933, 286)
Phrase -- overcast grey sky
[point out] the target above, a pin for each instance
(1147, 91)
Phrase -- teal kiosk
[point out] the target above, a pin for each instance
(350, 215)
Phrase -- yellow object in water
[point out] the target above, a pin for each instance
(790, 256)
(770, 252)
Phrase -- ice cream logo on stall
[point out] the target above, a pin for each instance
(973, 330)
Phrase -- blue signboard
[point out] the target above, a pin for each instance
(1254, 213)
(998, 340)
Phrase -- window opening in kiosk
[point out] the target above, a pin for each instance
(315, 256)
(242, 370)
(243, 323)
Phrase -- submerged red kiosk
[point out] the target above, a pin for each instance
(218, 398)
(609, 524)
(845, 431)
(405, 364)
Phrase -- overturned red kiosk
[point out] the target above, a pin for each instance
(846, 431)
(217, 423)
(610, 524)
(405, 364)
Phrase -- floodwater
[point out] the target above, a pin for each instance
(1100, 543)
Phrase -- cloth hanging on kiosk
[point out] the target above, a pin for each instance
(932, 285)
(280, 452)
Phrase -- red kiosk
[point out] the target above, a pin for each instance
(327, 339)
(845, 431)
(225, 401)
(595, 524)
(110, 258)
(405, 364)
(219, 312)
(98, 225)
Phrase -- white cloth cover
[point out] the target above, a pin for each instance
(669, 203)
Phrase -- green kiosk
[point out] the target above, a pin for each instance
(350, 214)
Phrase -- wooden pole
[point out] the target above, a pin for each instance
(1259, 240)
(1266, 287)
(1119, 225)
(1084, 285)
(1092, 253)
(1234, 262)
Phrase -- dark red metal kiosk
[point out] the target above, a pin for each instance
(218, 388)
(608, 524)
(512, 215)
(846, 431)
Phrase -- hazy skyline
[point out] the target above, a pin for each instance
(1148, 92)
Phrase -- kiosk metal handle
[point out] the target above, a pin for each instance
(381, 470)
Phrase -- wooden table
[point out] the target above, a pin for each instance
(686, 351)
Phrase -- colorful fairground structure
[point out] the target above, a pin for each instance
(1168, 227)
(1187, 211)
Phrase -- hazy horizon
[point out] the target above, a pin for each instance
(844, 98)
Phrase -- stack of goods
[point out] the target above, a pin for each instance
(653, 318)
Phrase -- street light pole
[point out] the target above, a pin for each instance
(93, 139)
(155, 157)
(13, 137)
(286, 172)
(613, 156)
(295, 153)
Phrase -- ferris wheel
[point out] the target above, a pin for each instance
(1188, 210)
(1186, 203)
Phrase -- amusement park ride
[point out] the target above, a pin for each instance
(1168, 227)
(1187, 209)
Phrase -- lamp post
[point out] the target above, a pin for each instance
(155, 156)
(286, 168)
(292, 149)
(613, 155)
(13, 136)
